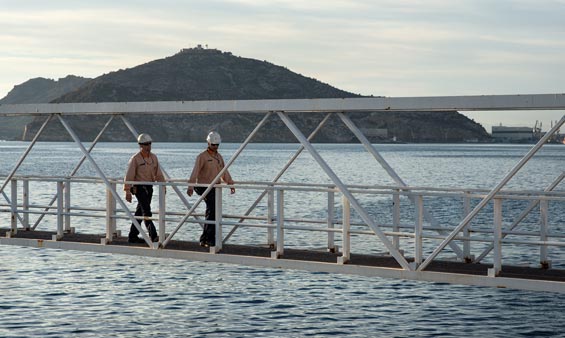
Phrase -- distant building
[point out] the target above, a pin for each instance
(512, 134)
(200, 49)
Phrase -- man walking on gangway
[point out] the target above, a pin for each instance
(207, 166)
(143, 167)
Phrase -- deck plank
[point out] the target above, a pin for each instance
(382, 261)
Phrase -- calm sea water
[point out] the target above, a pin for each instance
(66, 294)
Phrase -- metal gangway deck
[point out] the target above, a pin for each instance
(412, 242)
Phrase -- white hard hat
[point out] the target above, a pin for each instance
(214, 138)
(144, 139)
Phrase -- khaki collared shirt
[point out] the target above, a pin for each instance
(207, 167)
(143, 169)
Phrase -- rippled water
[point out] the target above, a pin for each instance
(64, 293)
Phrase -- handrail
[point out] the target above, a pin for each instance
(406, 230)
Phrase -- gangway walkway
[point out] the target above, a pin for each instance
(426, 248)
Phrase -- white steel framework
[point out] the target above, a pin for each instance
(415, 268)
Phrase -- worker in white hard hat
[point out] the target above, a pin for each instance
(208, 165)
(143, 167)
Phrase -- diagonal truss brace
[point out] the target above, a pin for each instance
(22, 158)
(75, 170)
(522, 215)
(366, 218)
(371, 149)
(278, 176)
(135, 133)
(217, 178)
(491, 194)
(26, 152)
(104, 178)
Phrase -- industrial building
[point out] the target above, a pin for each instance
(512, 134)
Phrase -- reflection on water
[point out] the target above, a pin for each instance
(64, 293)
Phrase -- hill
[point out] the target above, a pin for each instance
(210, 74)
(42, 90)
(202, 74)
(38, 90)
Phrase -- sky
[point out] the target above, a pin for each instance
(395, 48)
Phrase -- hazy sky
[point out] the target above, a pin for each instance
(371, 47)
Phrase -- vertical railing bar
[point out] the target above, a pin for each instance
(492, 193)
(218, 221)
(21, 160)
(345, 231)
(25, 203)
(344, 190)
(467, 230)
(270, 217)
(67, 204)
(330, 221)
(418, 229)
(544, 262)
(523, 215)
(497, 239)
(279, 250)
(24, 155)
(396, 218)
(110, 214)
(60, 218)
(179, 193)
(8, 200)
(105, 179)
(75, 169)
(217, 178)
(371, 149)
(14, 206)
(162, 212)
(279, 174)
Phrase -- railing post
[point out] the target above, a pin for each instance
(467, 229)
(497, 239)
(396, 218)
(218, 222)
(162, 213)
(418, 229)
(67, 206)
(346, 235)
(331, 213)
(279, 250)
(25, 204)
(110, 214)
(270, 217)
(60, 210)
(544, 262)
(14, 207)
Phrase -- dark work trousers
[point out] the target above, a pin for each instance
(209, 231)
(143, 193)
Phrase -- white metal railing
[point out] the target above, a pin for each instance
(489, 234)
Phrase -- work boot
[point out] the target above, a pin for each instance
(152, 232)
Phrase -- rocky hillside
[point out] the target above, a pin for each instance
(202, 74)
(38, 90)
(210, 74)
(41, 90)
